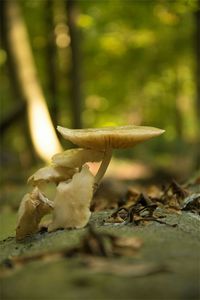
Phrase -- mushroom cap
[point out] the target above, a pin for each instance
(51, 174)
(109, 137)
(75, 158)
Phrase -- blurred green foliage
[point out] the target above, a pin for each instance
(138, 66)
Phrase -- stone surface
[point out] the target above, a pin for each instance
(178, 249)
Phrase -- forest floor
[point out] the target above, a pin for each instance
(166, 266)
(138, 259)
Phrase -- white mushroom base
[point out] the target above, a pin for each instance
(72, 201)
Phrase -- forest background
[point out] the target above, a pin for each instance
(103, 63)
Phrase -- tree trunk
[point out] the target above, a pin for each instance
(42, 131)
(76, 101)
(19, 112)
(51, 62)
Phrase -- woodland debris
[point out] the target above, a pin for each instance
(192, 203)
(99, 265)
(93, 244)
(142, 208)
(142, 211)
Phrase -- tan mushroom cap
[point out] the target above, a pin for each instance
(51, 174)
(75, 158)
(109, 137)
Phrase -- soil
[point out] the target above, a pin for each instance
(174, 250)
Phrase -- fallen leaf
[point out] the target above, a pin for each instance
(123, 269)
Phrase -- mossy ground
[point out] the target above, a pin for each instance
(175, 248)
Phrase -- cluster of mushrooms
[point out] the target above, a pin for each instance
(75, 184)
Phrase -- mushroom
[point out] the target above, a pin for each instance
(51, 173)
(76, 158)
(108, 138)
(32, 208)
(72, 201)
(75, 189)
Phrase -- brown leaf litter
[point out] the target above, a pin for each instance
(142, 208)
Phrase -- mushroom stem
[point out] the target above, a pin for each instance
(103, 167)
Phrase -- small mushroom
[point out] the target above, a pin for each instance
(32, 208)
(108, 138)
(72, 201)
(76, 158)
(51, 174)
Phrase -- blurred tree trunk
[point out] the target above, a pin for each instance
(76, 101)
(19, 112)
(197, 50)
(51, 62)
(43, 134)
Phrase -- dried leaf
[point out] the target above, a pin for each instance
(33, 207)
(192, 203)
(114, 220)
(130, 198)
(126, 246)
(173, 196)
(142, 212)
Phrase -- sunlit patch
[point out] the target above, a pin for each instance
(142, 38)
(113, 44)
(85, 21)
(165, 15)
(63, 40)
(62, 36)
(42, 132)
(108, 123)
(61, 28)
